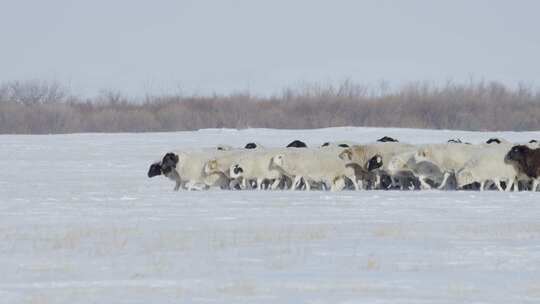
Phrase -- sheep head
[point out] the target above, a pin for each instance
(277, 160)
(211, 166)
(236, 171)
(374, 163)
(346, 154)
(169, 162)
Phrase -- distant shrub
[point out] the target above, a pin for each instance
(41, 107)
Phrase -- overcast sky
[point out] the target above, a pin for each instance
(202, 46)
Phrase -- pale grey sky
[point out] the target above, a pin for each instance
(141, 47)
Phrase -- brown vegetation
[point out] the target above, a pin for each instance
(40, 108)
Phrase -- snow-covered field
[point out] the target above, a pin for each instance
(81, 223)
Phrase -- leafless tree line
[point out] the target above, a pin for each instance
(35, 107)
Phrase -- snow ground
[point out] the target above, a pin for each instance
(81, 223)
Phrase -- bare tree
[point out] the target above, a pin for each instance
(33, 92)
(41, 107)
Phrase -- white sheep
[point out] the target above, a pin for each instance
(314, 166)
(449, 157)
(256, 166)
(488, 165)
(188, 170)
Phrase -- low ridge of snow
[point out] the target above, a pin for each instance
(81, 223)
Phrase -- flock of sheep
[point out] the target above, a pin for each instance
(386, 164)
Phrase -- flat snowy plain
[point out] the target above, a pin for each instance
(81, 223)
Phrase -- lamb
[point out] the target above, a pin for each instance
(405, 179)
(314, 166)
(368, 173)
(362, 154)
(400, 167)
(449, 157)
(384, 180)
(526, 161)
(361, 175)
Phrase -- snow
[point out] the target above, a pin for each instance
(81, 223)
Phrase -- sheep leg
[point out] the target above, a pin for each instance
(308, 186)
(355, 183)
(360, 185)
(482, 184)
(296, 182)
(378, 181)
(301, 184)
(425, 185)
(275, 184)
(196, 186)
(498, 184)
(395, 182)
(337, 185)
(287, 183)
(444, 181)
(192, 186)
(245, 184)
(233, 183)
(401, 183)
(509, 185)
(535, 184)
(250, 184)
(260, 184)
(177, 186)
